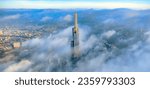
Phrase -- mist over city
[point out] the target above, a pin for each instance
(39, 40)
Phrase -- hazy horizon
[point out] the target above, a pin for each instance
(66, 4)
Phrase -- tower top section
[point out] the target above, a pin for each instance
(76, 22)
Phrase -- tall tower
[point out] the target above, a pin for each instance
(75, 40)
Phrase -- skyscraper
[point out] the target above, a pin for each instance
(75, 40)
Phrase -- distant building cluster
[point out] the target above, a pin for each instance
(12, 39)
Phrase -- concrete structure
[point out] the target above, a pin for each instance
(75, 40)
(16, 45)
(1, 33)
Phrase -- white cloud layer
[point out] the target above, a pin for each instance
(11, 17)
(46, 18)
(68, 18)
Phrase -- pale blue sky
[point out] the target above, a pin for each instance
(134, 4)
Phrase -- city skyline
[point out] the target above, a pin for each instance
(68, 4)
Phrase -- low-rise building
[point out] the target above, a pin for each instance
(16, 45)
(1, 33)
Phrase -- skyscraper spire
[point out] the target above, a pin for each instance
(76, 22)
